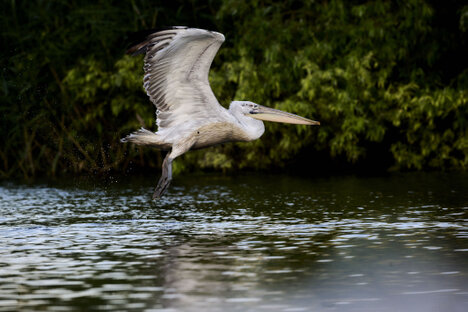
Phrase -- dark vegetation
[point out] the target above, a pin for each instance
(387, 79)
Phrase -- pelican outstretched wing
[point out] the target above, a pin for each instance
(177, 63)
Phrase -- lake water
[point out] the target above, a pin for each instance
(244, 243)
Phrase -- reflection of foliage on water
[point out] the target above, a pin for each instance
(385, 79)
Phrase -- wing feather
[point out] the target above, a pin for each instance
(177, 63)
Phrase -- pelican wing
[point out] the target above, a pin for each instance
(177, 63)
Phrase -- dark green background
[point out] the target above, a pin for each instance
(388, 81)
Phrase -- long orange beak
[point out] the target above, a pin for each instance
(271, 114)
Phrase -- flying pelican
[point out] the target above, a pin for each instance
(188, 115)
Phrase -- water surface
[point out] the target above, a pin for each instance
(245, 243)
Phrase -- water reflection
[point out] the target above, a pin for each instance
(237, 244)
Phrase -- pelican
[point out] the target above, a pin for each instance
(188, 115)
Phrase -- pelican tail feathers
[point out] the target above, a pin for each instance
(146, 137)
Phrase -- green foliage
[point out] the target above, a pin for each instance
(371, 73)
(67, 93)
(386, 79)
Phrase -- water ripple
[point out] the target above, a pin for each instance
(345, 244)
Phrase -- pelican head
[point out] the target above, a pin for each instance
(256, 111)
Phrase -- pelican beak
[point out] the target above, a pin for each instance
(271, 114)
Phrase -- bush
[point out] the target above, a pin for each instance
(388, 81)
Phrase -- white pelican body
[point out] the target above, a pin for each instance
(188, 115)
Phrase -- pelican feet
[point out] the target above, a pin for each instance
(165, 178)
(161, 187)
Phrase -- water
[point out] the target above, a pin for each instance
(245, 243)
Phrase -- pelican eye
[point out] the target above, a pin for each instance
(254, 109)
